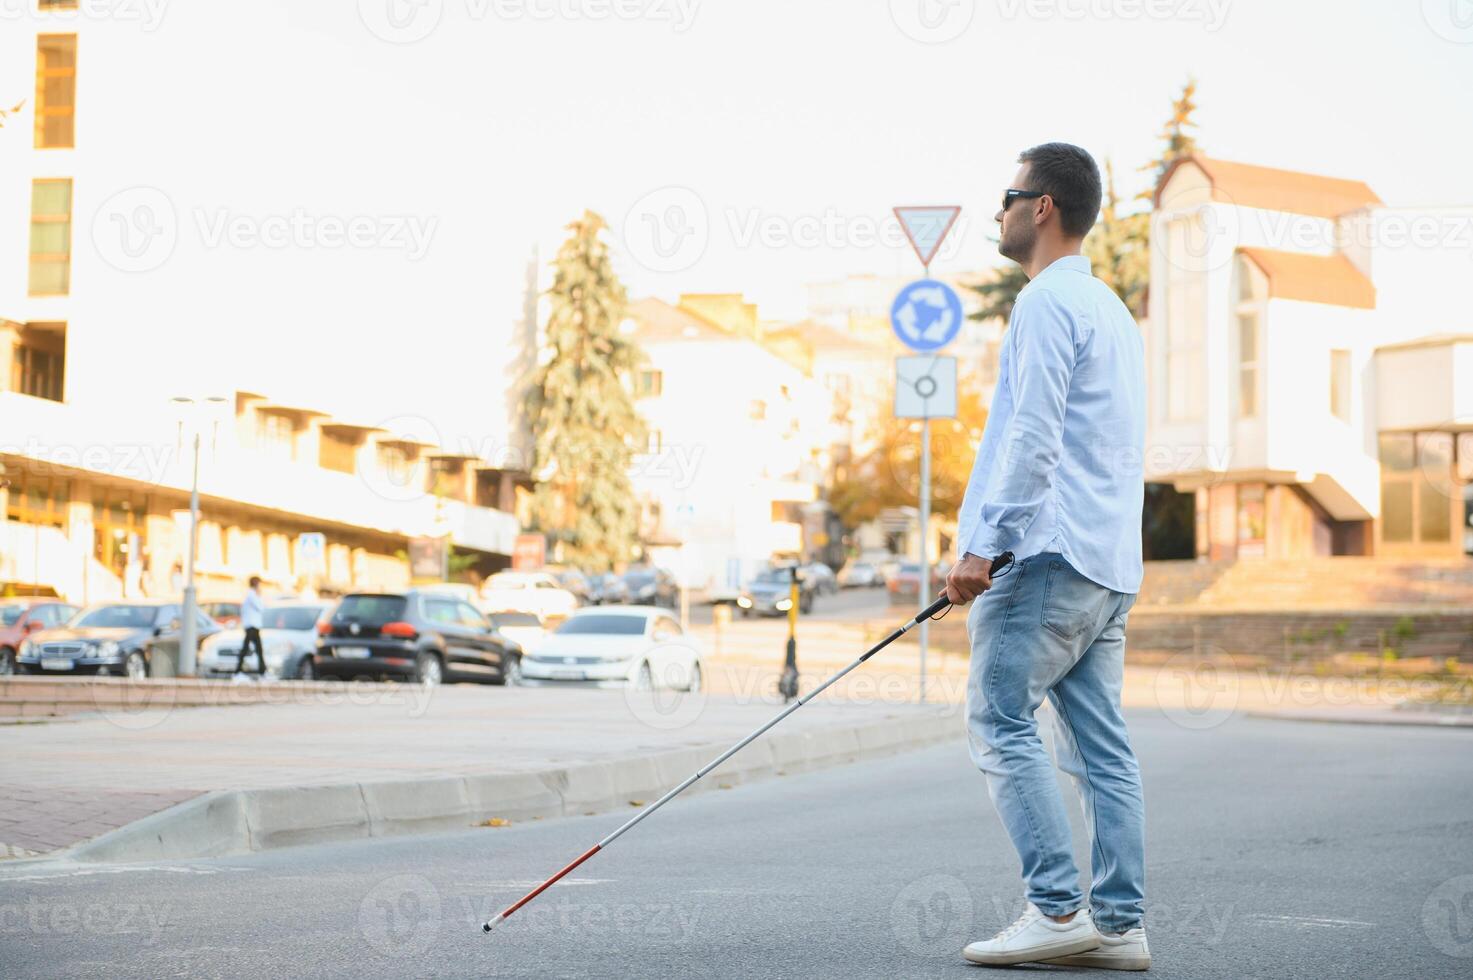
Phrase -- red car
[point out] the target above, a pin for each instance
(20, 618)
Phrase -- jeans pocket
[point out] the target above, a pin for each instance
(1064, 612)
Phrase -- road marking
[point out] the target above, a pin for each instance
(1311, 921)
(64, 872)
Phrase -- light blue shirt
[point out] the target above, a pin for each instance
(1060, 465)
(250, 610)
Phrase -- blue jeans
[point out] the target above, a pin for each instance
(1044, 630)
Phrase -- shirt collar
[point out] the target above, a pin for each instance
(1070, 263)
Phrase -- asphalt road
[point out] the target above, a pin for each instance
(1276, 849)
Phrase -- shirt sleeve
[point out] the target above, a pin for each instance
(1028, 454)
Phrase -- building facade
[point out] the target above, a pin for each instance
(118, 347)
(1311, 365)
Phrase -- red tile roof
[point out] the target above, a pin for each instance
(1329, 279)
(1271, 189)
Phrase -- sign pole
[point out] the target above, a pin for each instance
(926, 227)
(923, 589)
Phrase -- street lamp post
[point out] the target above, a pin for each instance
(189, 617)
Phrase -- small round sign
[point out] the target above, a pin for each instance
(926, 315)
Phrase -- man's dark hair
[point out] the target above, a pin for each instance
(255, 581)
(1068, 174)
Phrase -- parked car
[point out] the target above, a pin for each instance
(574, 581)
(421, 635)
(111, 638)
(642, 646)
(19, 618)
(825, 582)
(769, 593)
(534, 592)
(861, 575)
(523, 629)
(227, 614)
(288, 642)
(651, 586)
(902, 585)
(608, 589)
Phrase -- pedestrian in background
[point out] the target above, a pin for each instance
(250, 622)
(1054, 484)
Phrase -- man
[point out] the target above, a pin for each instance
(250, 622)
(1058, 482)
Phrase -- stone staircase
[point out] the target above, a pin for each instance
(1350, 584)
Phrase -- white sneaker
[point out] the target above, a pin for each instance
(1035, 937)
(1118, 951)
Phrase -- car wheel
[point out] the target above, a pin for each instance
(135, 666)
(511, 672)
(645, 679)
(7, 661)
(428, 670)
(307, 670)
(694, 686)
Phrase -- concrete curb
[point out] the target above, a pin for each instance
(223, 823)
(1372, 716)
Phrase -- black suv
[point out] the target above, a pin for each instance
(423, 635)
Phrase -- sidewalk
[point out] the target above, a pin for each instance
(370, 760)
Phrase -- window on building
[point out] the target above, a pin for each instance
(1340, 384)
(1417, 497)
(447, 477)
(1247, 365)
(397, 461)
(56, 90)
(648, 383)
(276, 434)
(38, 361)
(337, 450)
(1186, 318)
(51, 237)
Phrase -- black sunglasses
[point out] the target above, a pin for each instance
(1012, 194)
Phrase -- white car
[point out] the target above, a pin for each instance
(288, 640)
(537, 593)
(522, 628)
(615, 646)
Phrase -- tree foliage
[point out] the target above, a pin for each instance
(890, 474)
(1118, 248)
(1176, 141)
(582, 416)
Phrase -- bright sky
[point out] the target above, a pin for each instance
(765, 140)
(789, 118)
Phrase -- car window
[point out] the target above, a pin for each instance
(502, 619)
(607, 624)
(371, 610)
(48, 615)
(290, 617)
(131, 617)
(205, 622)
(441, 611)
(10, 615)
(470, 616)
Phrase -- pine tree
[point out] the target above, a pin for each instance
(1118, 248)
(1177, 142)
(999, 291)
(582, 416)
